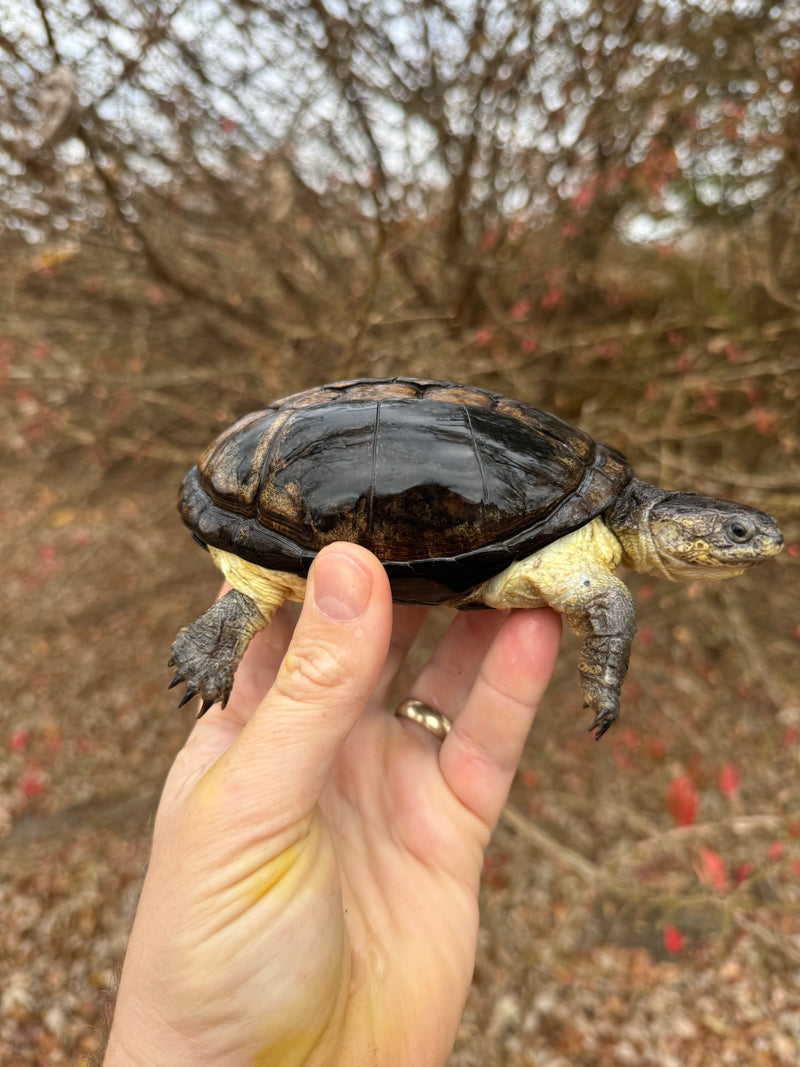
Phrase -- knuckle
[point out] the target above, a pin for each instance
(504, 698)
(310, 671)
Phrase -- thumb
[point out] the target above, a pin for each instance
(283, 756)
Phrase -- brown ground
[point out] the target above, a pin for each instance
(104, 406)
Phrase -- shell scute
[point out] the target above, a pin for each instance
(233, 465)
(459, 394)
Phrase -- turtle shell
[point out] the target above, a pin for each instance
(446, 484)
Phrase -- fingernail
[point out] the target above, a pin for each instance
(341, 588)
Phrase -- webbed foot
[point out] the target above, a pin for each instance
(207, 652)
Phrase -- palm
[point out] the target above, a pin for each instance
(408, 849)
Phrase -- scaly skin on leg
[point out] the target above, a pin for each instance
(208, 651)
(607, 624)
(575, 576)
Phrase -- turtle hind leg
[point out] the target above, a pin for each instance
(207, 652)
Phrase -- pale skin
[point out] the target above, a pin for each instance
(312, 892)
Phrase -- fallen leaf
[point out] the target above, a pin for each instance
(683, 801)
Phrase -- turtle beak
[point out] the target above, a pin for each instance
(771, 540)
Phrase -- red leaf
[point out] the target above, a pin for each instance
(483, 337)
(728, 780)
(763, 420)
(673, 939)
(488, 240)
(30, 781)
(583, 199)
(744, 871)
(49, 561)
(683, 801)
(733, 352)
(711, 870)
(709, 398)
(19, 740)
(775, 850)
(520, 309)
(553, 298)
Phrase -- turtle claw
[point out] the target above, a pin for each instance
(190, 694)
(604, 720)
(208, 703)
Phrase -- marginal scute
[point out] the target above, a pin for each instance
(206, 524)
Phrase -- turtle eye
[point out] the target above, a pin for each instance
(739, 531)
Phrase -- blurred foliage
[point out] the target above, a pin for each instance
(328, 176)
(312, 169)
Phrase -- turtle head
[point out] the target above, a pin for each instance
(698, 537)
(686, 536)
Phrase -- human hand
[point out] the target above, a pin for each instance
(312, 892)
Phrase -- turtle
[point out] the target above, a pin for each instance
(469, 498)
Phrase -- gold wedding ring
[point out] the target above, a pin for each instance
(433, 720)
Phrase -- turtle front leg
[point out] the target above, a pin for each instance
(606, 620)
(207, 652)
(575, 576)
